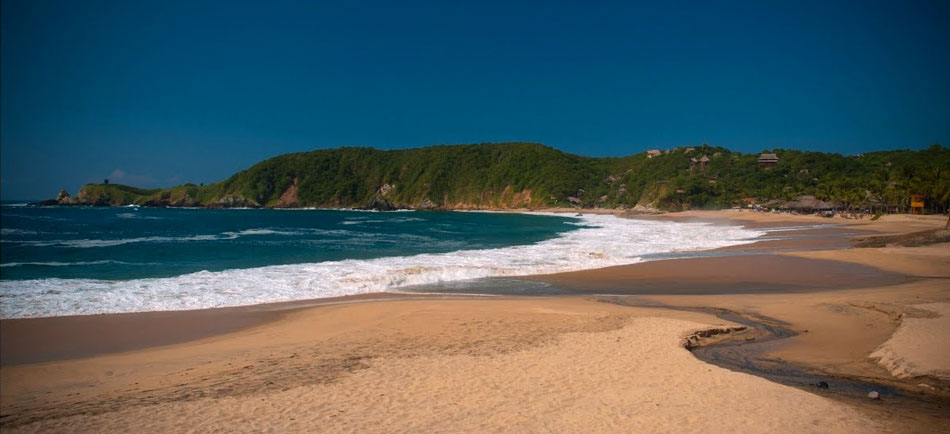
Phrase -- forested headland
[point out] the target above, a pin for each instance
(531, 175)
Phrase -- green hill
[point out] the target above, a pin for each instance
(530, 175)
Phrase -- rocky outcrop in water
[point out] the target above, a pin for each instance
(427, 203)
(63, 199)
(236, 202)
(380, 203)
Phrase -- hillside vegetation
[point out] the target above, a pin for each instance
(530, 175)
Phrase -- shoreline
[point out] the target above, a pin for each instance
(835, 342)
(652, 277)
(552, 246)
(65, 337)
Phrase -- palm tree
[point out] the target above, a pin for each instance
(942, 195)
(941, 190)
(880, 186)
(928, 183)
(825, 191)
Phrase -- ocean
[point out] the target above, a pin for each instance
(58, 261)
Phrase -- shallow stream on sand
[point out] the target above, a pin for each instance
(749, 352)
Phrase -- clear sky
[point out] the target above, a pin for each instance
(164, 92)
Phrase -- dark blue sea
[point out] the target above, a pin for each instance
(84, 260)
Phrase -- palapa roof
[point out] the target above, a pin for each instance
(809, 202)
(705, 159)
(768, 157)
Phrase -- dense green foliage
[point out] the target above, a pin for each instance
(504, 175)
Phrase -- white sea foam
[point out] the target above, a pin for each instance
(608, 241)
(15, 231)
(86, 243)
(37, 217)
(363, 220)
(262, 232)
(132, 215)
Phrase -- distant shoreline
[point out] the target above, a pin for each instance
(520, 175)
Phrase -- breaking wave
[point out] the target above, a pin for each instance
(601, 241)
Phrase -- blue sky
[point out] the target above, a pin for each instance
(161, 93)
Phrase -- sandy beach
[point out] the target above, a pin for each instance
(584, 363)
(474, 217)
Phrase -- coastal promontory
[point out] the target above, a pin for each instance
(534, 176)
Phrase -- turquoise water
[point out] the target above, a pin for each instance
(136, 243)
(80, 261)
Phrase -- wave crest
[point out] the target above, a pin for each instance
(603, 241)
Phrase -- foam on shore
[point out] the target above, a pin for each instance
(602, 241)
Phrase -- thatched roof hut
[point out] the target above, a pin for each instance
(768, 160)
(809, 203)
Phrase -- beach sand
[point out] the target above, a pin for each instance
(919, 346)
(505, 364)
(510, 365)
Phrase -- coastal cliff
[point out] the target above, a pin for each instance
(534, 176)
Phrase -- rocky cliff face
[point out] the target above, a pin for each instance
(288, 199)
(87, 196)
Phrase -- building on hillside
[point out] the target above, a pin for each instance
(768, 160)
(700, 163)
(653, 153)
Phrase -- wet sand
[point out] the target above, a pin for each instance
(747, 274)
(32, 340)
